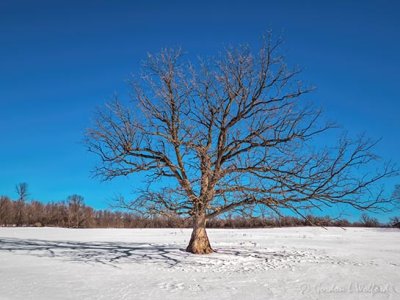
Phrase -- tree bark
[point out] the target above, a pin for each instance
(199, 243)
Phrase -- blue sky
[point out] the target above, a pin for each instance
(59, 60)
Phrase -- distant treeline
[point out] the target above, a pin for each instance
(74, 213)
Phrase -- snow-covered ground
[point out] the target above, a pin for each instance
(281, 263)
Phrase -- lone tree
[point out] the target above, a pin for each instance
(20, 214)
(227, 133)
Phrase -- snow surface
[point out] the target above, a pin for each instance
(279, 263)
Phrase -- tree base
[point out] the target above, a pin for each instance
(197, 249)
(199, 243)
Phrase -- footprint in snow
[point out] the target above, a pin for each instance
(172, 286)
(175, 286)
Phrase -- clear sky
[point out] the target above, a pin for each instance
(59, 60)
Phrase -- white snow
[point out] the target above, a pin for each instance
(279, 263)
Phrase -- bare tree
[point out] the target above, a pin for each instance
(368, 221)
(22, 191)
(227, 133)
(5, 211)
(395, 222)
(20, 215)
(76, 211)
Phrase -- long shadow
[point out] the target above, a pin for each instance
(114, 253)
(109, 253)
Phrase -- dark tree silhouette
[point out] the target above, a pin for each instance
(227, 133)
(22, 191)
(76, 211)
(368, 221)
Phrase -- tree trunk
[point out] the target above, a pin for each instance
(199, 243)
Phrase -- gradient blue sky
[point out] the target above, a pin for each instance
(61, 59)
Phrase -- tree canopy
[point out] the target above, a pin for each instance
(230, 132)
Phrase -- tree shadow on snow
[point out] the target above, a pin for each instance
(109, 253)
(113, 253)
